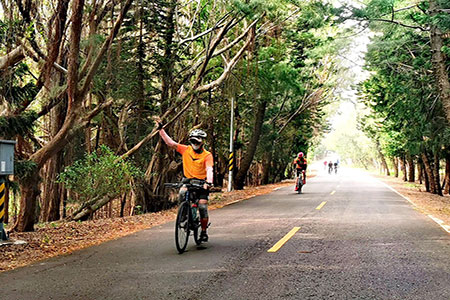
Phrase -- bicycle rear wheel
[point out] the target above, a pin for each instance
(182, 227)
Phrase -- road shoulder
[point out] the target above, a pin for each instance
(437, 207)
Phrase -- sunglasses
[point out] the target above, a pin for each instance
(194, 142)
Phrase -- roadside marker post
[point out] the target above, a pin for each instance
(230, 159)
(6, 168)
(3, 235)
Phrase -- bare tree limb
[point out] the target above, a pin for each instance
(196, 88)
(107, 43)
(12, 58)
(229, 67)
(400, 24)
(304, 105)
(226, 48)
(219, 24)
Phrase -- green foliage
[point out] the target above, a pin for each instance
(99, 174)
(24, 168)
(405, 114)
(23, 124)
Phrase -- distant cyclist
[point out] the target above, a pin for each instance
(197, 164)
(330, 167)
(336, 167)
(300, 164)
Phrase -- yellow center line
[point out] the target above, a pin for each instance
(283, 241)
(332, 193)
(321, 205)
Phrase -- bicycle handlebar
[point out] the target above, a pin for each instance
(198, 184)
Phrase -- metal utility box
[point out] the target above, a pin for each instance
(7, 157)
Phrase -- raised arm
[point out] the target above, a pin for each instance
(167, 139)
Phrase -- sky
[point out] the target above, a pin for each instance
(353, 60)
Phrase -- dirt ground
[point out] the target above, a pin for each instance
(62, 238)
(426, 203)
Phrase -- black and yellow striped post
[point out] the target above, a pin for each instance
(230, 162)
(3, 235)
(231, 158)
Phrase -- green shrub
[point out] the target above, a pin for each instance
(99, 174)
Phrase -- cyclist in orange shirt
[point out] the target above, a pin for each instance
(300, 164)
(197, 164)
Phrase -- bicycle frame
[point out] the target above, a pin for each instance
(194, 221)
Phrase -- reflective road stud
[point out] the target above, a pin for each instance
(3, 235)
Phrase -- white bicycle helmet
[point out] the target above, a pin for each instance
(197, 134)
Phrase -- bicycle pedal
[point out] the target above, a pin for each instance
(209, 224)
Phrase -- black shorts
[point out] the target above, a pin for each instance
(299, 172)
(197, 193)
(201, 194)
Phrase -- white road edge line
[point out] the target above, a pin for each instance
(438, 221)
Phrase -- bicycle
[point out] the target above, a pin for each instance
(188, 215)
(300, 181)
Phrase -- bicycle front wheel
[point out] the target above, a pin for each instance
(182, 227)
(299, 186)
(196, 232)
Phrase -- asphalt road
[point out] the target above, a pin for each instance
(365, 242)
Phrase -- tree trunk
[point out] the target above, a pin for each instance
(395, 164)
(429, 174)
(85, 212)
(64, 200)
(426, 179)
(51, 195)
(141, 84)
(52, 190)
(29, 189)
(436, 168)
(447, 173)
(403, 167)
(156, 172)
(439, 61)
(382, 158)
(267, 165)
(411, 168)
(73, 121)
(250, 153)
(123, 201)
(420, 170)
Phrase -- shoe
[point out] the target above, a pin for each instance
(203, 236)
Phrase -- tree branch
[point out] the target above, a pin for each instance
(106, 44)
(197, 89)
(12, 58)
(401, 24)
(300, 109)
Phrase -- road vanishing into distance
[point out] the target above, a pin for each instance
(351, 237)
